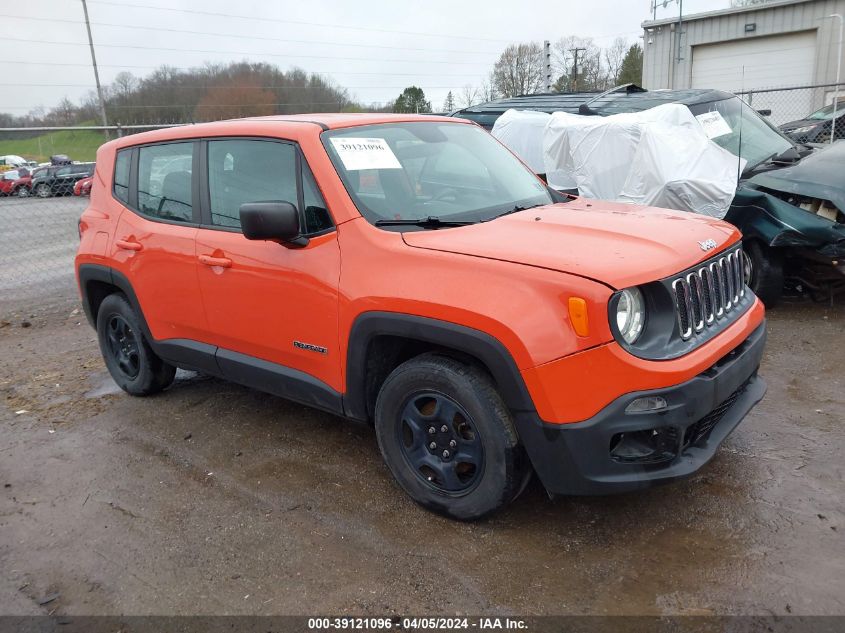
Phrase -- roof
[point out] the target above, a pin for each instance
(631, 100)
(774, 4)
(291, 125)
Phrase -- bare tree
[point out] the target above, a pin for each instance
(613, 56)
(123, 85)
(591, 74)
(488, 89)
(469, 96)
(519, 70)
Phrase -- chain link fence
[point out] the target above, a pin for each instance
(804, 113)
(39, 213)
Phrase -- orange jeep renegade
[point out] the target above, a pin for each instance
(410, 272)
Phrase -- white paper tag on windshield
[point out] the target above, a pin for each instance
(365, 153)
(714, 124)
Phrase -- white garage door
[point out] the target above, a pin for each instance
(769, 62)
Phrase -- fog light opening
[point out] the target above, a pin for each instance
(647, 403)
(647, 446)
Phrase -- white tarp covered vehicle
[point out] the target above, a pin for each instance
(661, 157)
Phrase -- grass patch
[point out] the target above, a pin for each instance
(78, 145)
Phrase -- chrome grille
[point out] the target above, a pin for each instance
(709, 293)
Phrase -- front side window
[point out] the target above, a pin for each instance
(418, 170)
(244, 170)
(121, 175)
(164, 181)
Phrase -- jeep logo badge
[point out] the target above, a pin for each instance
(706, 245)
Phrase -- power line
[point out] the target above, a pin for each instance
(196, 68)
(223, 85)
(248, 37)
(299, 22)
(260, 54)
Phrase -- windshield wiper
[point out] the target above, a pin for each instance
(517, 208)
(431, 221)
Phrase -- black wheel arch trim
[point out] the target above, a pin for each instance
(480, 345)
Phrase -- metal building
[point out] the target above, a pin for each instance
(784, 43)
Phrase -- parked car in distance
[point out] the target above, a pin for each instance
(15, 182)
(486, 325)
(59, 180)
(816, 128)
(792, 220)
(83, 187)
(60, 159)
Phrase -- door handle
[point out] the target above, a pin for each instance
(128, 245)
(208, 260)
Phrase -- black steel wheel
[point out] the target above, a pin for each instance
(440, 442)
(123, 346)
(132, 363)
(448, 438)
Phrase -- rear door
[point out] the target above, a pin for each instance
(154, 244)
(265, 301)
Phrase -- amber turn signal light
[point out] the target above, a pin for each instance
(578, 316)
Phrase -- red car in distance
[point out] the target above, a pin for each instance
(83, 187)
(16, 182)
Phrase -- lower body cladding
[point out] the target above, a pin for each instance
(649, 437)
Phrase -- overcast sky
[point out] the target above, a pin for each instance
(372, 47)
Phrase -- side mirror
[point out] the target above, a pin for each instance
(765, 112)
(276, 221)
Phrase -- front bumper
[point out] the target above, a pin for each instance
(576, 459)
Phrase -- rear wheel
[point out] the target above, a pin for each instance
(22, 192)
(128, 356)
(764, 267)
(448, 438)
(43, 191)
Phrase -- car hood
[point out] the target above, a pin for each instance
(617, 244)
(786, 127)
(819, 175)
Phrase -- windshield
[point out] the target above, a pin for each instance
(760, 141)
(826, 113)
(413, 171)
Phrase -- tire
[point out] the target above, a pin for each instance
(131, 362)
(766, 272)
(43, 191)
(22, 192)
(486, 467)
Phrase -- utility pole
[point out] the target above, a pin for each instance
(547, 57)
(575, 52)
(833, 122)
(103, 117)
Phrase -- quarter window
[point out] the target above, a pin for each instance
(121, 175)
(164, 181)
(317, 218)
(241, 171)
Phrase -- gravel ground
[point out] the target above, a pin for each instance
(215, 499)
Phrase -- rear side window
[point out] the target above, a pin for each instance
(121, 175)
(164, 181)
(241, 171)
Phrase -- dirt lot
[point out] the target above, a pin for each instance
(213, 499)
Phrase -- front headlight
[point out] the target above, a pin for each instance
(630, 314)
(798, 130)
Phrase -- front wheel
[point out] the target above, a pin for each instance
(448, 439)
(765, 272)
(43, 191)
(128, 356)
